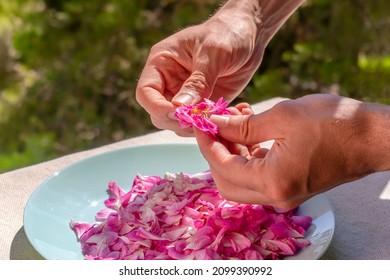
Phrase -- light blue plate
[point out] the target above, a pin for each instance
(78, 191)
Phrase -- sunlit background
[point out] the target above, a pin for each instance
(69, 68)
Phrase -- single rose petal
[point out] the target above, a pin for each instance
(79, 228)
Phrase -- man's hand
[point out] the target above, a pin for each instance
(211, 60)
(320, 141)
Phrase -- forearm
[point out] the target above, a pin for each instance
(267, 15)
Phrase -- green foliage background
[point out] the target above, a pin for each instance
(69, 68)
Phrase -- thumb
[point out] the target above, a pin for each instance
(194, 89)
(200, 84)
(245, 129)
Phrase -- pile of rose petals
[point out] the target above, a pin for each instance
(183, 217)
(198, 115)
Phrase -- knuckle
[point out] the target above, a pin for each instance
(287, 114)
(287, 193)
(282, 192)
(246, 131)
(139, 95)
(157, 48)
(155, 122)
(226, 195)
(158, 122)
(198, 82)
(286, 205)
(286, 108)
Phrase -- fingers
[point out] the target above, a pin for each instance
(237, 178)
(251, 181)
(155, 87)
(150, 93)
(222, 161)
(160, 110)
(245, 129)
(229, 191)
(244, 108)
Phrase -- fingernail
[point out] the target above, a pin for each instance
(186, 98)
(220, 121)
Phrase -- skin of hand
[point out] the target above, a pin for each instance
(213, 59)
(320, 141)
(242, 149)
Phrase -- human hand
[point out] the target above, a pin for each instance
(320, 141)
(211, 60)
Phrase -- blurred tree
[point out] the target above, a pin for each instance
(83, 59)
(68, 69)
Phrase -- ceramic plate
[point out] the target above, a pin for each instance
(77, 192)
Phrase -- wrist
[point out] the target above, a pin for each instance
(243, 8)
(266, 15)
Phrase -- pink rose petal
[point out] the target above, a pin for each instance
(198, 115)
(182, 216)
